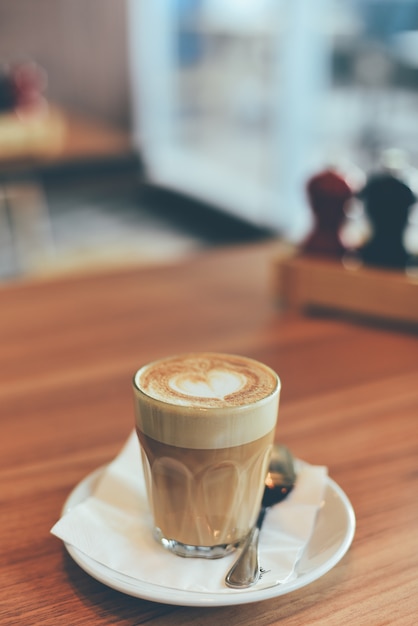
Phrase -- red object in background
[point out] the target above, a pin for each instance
(29, 82)
(328, 193)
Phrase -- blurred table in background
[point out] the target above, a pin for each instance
(58, 145)
(58, 139)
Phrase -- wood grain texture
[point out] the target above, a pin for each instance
(69, 348)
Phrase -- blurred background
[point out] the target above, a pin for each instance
(137, 131)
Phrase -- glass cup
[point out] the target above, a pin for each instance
(206, 425)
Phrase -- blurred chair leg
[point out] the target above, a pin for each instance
(30, 225)
(7, 250)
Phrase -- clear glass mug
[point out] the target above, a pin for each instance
(206, 425)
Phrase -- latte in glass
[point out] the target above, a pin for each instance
(205, 423)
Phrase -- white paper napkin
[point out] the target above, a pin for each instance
(114, 527)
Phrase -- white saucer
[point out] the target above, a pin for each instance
(331, 538)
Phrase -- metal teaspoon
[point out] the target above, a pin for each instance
(280, 480)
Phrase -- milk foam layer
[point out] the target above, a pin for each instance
(206, 400)
(207, 380)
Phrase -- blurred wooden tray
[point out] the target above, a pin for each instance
(35, 136)
(306, 282)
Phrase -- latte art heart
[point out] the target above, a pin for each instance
(207, 380)
(215, 384)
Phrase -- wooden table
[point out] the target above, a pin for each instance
(61, 147)
(59, 139)
(350, 401)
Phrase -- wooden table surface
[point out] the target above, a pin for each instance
(350, 401)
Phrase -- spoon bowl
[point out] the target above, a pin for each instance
(280, 477)
(279, 482)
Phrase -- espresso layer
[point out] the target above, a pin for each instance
(207, 380)
(205, 497)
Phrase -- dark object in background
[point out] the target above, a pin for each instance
(7, 92)
(328, 193)
(21, 87)
(387, 201)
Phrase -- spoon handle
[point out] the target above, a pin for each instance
(245, 572)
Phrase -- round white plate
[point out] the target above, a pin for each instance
(331, 538)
